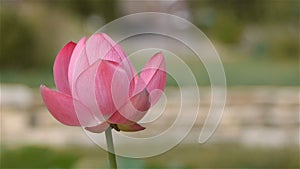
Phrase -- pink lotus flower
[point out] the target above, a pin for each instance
(98, 87)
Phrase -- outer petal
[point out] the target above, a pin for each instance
(61, 107)
(133, 110)
(130, 127)
(60, 68)
(154, 75)
(74, 60)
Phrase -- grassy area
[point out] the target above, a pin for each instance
(262, 73)
(28, 77)
(253, 72)
(37, 157)
(245, 72)
(181, 157)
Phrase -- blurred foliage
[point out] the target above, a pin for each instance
(227, 29)
(285, 46)
(18, 43)
(226, 22)
(254, 11)
(85, 8)
(37, 157)
(31, 41)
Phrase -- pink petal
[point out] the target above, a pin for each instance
(133, 84)
(84, 90)
(81, 66)
(141, 101)
(134, 110)
(60, 68)
(99, 128)
(130, 127)
(116, 46)
(61, 107)
(154, 75)
(139, 86)
(101, 46)
(112, 87)
(74, 60)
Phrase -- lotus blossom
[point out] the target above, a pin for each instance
(98, 87)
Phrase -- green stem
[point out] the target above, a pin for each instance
(110, 148)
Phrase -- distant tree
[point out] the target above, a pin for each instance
(17, 42)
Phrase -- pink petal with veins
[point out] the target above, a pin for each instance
(101, 46)
(61, 107)
(112, 87)
(84, 90)
(74, 59)
(98, 46)
(81, 66)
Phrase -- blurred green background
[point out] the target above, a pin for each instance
(258, 42)
(257, 37)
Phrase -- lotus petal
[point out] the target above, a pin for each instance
(154, 75)
(60, 68)
(61, 107)
(74, 60)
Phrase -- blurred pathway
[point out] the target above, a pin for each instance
(266, 116)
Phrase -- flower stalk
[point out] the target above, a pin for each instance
(110, 148)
